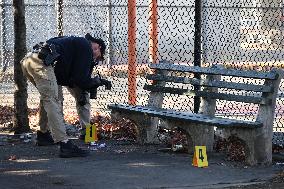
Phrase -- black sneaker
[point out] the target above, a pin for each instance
(44, 139)
(68, 150)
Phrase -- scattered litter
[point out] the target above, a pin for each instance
(12, 157)
(93, 146)
(280, 163)
(103, 145)
(27, 137)
(177, 147)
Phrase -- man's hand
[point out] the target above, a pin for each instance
(106, 83)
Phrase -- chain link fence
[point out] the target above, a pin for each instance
(240, 34)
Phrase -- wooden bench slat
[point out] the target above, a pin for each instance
(219, 84)
(231, 97)
(212, 95)
(170, 90)
(215, 71)
(194, 118)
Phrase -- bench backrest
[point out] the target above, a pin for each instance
(211, 87)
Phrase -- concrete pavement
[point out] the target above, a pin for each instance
(121, 165)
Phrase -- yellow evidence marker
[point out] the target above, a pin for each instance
(91, 133)
(200, 157)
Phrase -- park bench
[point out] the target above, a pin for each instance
(210, 85)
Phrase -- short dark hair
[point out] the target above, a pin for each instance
(98, 41)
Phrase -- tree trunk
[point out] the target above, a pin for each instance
(20, 119)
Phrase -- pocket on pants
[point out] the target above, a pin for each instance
(46, 82)
(48, 89)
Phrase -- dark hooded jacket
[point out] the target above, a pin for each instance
(75, 64)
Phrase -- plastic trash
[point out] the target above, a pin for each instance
(103, 145)
(177, 147)
(93, 144)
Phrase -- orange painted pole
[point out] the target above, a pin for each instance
(153, 31)
(132, 52)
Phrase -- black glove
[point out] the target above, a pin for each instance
(82, 99)
(106, 83)
(93, 93)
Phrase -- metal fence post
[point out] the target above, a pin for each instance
(110, 51)
(4, 62)
(59, 17)
(197, 46)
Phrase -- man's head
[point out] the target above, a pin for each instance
(98, 46)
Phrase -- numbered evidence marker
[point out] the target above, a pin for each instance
(91, 133)
(200, 157)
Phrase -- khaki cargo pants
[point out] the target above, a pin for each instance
(84, 112)
(43, 77)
